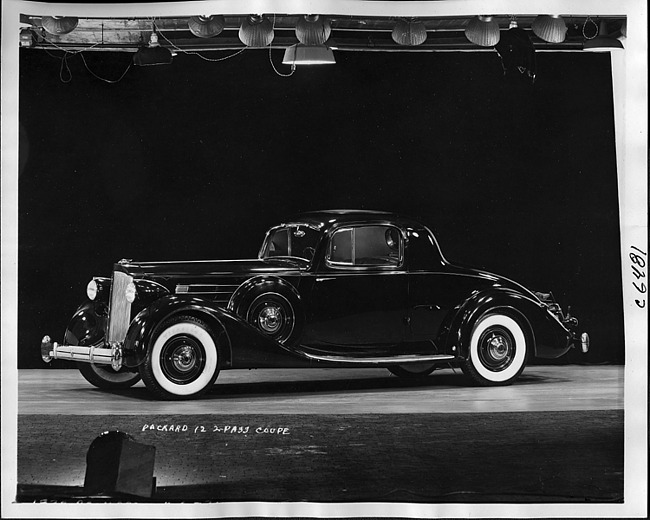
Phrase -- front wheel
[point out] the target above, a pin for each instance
(183, 361)
(498, 351)
(103, 376)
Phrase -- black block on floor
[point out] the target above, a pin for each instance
(116, 464)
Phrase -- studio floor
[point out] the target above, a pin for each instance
(339, 435)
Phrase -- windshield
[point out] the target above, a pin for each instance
(292, 240)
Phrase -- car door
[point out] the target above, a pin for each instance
(358, 299)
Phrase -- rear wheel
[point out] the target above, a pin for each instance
(412, 370)
(183, 361)
(498, 351)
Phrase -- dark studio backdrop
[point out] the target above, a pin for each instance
(196, 160)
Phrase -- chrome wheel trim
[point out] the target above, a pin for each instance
(182, 359)
(496, 348)
(273, 315)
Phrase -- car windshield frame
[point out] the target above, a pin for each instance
(264, 250)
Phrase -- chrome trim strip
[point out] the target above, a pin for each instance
(407, 358)
(206, 288)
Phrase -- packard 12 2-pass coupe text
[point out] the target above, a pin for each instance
(328, 289)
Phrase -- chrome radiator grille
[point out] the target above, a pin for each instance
(120, 310)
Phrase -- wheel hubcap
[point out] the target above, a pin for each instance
(496, 349)
(182, 359)
(270, 319)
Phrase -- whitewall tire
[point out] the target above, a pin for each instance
(183, 361)
(498, 350)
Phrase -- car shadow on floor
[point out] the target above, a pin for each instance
(337, 386)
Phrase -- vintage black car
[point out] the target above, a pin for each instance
(337, 288)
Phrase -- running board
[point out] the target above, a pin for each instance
(382, 360)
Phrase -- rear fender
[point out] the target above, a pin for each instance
(543, 330)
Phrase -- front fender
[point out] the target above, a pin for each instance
(87, 325)
(253, 349)
(549, 338)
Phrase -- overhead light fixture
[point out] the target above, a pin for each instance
(256, 31)
(550, 28)
(299, 54)
(153, 53)
(483, 31)
(59, 24)
(206, 26)
(603, 42)
(313, 29)
(410, 32)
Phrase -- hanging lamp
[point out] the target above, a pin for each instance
(603, 42)
(483, 31)
(256, 31)
(409, 32)
(206, 26)
(153, 53)
(313, 29)
(550, 28)
(59, 24)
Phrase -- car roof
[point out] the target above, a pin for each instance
(335, 217)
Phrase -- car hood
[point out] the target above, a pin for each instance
(284, 266)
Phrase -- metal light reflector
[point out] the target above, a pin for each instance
(206, 26)
(313, 29)
(59, 24)
(483, 31)
(308, 55)
(550, 28)
(409, 32)
(256, 31)
(603, 42)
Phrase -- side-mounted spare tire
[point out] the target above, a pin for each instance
(183, 360)
(272, 306)
(498, 349)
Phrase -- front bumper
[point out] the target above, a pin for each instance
(99, 355)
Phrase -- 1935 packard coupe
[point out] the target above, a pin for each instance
(340, 288)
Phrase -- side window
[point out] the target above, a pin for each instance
(340, 251)
(366, 246)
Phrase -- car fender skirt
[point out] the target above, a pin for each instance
(252, 349)
(548, 337)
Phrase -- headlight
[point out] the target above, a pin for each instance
(92, 289)
(130, 292)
